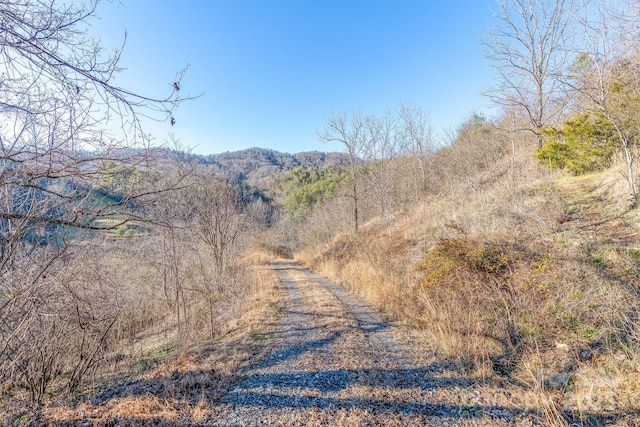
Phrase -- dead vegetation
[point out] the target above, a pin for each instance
(528, 276)
(168, 385)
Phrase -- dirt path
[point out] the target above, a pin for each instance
(336, 362)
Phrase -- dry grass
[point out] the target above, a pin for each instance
(257, 258)
(537, 284)
(178, 389)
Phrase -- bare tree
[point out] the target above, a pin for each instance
(418, 142)
(529, 50)
(60, 109)
(57, 97)
(217, 222)
(476, 150)
(383, 145)
(352, 133)
(217, 209)
(375, 145)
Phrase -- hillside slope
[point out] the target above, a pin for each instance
(329, 359)
(520, 311)
(539, 286)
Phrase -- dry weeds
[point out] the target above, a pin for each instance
(339, 363)
(538, 286)
(180, 389)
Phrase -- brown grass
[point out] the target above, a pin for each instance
(531, 284)
(180, 388)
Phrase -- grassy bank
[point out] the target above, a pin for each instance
(540, 286)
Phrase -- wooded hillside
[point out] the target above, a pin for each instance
(510, 246)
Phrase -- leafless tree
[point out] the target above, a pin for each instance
(530, 49)
(63, 121)
(418, 143)
(477, 150)
(379, 148)
(383, 145)
(57, 98)
(352, 133)
(469, 162)
(216, 222)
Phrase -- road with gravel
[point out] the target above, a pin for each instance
(335, 361)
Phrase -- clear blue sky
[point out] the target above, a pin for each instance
(271, 70)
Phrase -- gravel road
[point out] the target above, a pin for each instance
(335, 361)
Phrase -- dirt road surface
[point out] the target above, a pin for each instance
(334, 361)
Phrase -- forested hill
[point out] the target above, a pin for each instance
(258, 163)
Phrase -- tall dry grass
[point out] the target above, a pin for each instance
(179, 386)
(531, 275)
(116, 315)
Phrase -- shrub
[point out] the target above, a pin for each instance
(585, 144)
(457, 253)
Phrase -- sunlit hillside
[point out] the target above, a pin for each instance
(513, 271)
(487, 274)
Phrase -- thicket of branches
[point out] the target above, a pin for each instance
(101, 237)
(396, 163)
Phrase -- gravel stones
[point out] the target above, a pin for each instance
(337, 362)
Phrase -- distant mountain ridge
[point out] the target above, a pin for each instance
(258, 163)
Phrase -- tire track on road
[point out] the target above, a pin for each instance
(336, 361)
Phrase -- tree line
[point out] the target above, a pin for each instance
(567, 77)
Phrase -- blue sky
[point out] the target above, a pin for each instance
(271, 70)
